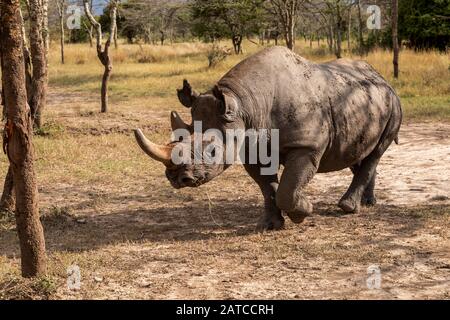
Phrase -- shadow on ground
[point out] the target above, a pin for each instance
(159, 222)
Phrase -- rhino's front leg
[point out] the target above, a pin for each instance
(300, 167)
(272, 218)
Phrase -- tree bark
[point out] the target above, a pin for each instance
(91, 29)
(395, 43)
(330, 38)
(237, 44)
(349, 30)
(116, 44)
(18, 137)
(163, 37)
(60, 4)
(360, 30)
(338, 33)
(45, 30)
(103, 54)
(8, 200)
(105, 81)
(39, 60)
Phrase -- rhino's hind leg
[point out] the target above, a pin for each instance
(368, 198)
(364, 176)
(272, 218)
(300, 167)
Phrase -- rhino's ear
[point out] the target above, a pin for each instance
(218, 94)
(226, 109)
(186, 95)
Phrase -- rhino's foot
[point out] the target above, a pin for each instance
(297, 217)
(272, 223)
(369, 201)
(349, 205)
(302, 209)
(296, 206)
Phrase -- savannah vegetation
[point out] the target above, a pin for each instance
(106, 208)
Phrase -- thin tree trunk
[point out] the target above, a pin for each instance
(104, 91)
(39, 61)
(237, 44)
(91, 29)
(60, 4)
(338, 34)
(360, 30)
(163, 37)
(8, 200)
(45, 30)
(116, 45)
(18, 143)
(91, 36)
(62, 41)
(331, 32)
(27, 60)
(395, 43)
(349, 30)
(291, 43)
(103, 55)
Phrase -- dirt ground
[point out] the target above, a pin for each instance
(142, 239)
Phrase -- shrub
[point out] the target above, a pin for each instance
(217, 54)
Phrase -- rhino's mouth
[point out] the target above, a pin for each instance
(185, 179)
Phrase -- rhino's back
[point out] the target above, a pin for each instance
(360, 103)
(340, 107)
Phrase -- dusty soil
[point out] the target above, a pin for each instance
(142, 239)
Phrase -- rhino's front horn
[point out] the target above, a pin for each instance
(155, 151)
(177, 122)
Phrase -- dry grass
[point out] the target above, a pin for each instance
(154, 72)
(108, 209)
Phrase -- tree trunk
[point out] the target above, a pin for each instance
(91, 37)
(116, 45)
(27, 60)
(360, 31)
(18, 144)
(331, 37)
(395, 43)
(39, 61)
(103, 55)
(8, 200)
(61, 7)
(349, 30)
(62, 40)
(104, 91)
(45, 30)
(163, 37)
(339, 34)
(237, 44)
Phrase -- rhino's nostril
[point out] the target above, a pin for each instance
(186, 180)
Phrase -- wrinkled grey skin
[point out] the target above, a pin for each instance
(330, 116)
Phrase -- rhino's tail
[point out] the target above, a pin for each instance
(396, 140)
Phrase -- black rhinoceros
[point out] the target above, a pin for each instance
(330, 116)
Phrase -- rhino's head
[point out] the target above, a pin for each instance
(214, 111)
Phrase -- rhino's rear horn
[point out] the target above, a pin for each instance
(177, 122)
(157, 152)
